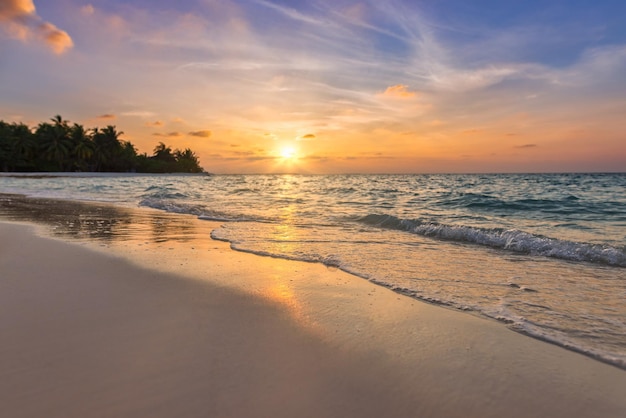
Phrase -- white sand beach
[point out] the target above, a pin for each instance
(143, 327)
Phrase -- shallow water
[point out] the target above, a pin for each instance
(544, 254)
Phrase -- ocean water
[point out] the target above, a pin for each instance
(543, 254)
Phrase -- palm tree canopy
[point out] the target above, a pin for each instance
(58, 146)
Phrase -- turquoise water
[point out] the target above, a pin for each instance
(543, 254)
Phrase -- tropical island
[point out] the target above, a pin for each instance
(57, 146)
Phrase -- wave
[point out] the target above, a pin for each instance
(565, 205)
(505, 239)
(328, 261)
(202, 212)
(513, 321)
(163, 192)
(157, 202)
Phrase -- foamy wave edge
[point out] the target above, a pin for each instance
(505, 239)
(514, 323)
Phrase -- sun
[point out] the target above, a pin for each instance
(288, 152)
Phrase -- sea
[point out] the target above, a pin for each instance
(543, 254)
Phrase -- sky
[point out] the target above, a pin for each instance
(340, 86)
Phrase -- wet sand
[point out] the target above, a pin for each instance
(114, 312)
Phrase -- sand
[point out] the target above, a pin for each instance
(146, 324)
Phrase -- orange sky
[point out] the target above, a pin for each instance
(347, 86)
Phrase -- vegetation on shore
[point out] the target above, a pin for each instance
(57, 146)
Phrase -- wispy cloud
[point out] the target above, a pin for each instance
(88, 10)
(293, 13)
(398, 74)
(138, 113)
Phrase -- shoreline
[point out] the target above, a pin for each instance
(376, 352)
(77, 219)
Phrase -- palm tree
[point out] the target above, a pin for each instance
(5, 145)
(58, 120)
(16, 146)
(99, 149)
(128, 156)
(57, 146)
(82, 147)
(163, 153)
(107, 148)
(162, 160)
(55, 141)
(187, 161)
(23, 146)
(111, 133)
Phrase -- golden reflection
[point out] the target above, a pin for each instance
(280, 290)
(286, 242)
(98, 221)
(284, 232)
(163, 241)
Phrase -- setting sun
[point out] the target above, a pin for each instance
(366, 89)
(288, 152)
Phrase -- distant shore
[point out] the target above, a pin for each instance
(52, 174)
(108, 312)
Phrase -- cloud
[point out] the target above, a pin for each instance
(399, 91)
(526, 146)
(168, 135)
(106, 116)
(201, 134)
(87, 10)
(245, 153)
(156, 123)
(292, 13)
(139, 113)
(55, 38)
(22, 22)
(307, 136)
(461, 80)
(10, 9)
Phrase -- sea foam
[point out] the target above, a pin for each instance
(505, 239)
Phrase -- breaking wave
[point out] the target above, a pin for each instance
(505, 239)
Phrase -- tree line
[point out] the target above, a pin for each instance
(57, 146)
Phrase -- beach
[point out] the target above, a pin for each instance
(142, 315)
(349, 209)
